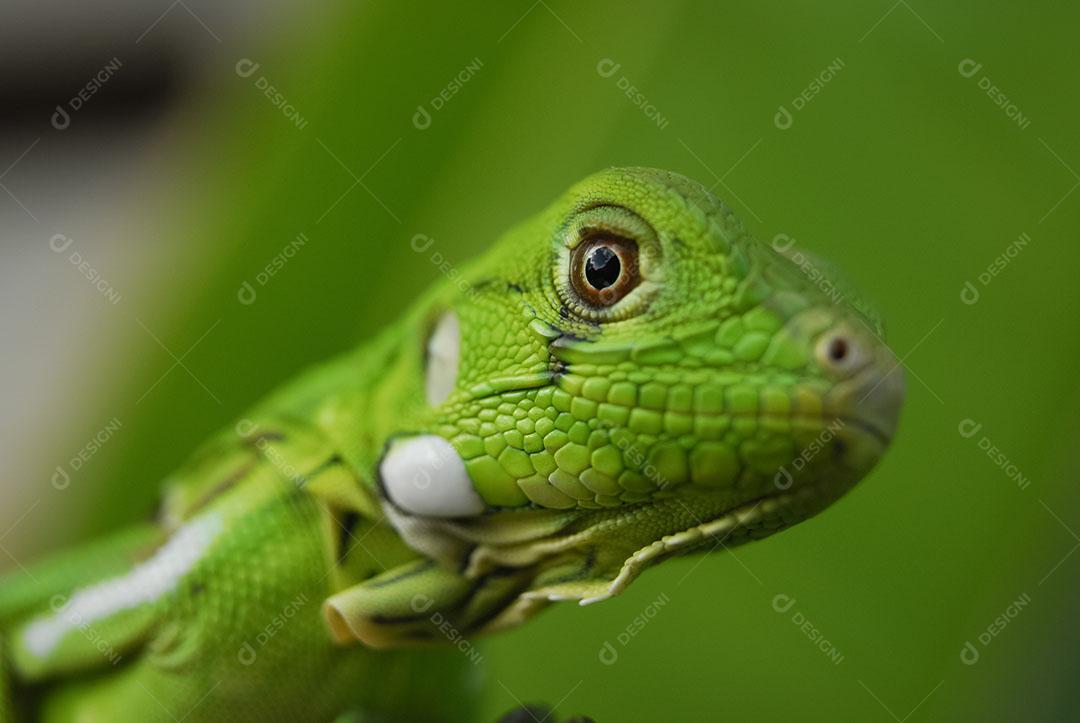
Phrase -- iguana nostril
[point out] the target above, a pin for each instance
(838, 349)
(841, 353)
(839, 448)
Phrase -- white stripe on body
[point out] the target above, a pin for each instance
(147, 582)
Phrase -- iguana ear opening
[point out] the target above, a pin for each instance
(443, 359)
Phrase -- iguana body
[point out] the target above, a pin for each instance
(626, 377)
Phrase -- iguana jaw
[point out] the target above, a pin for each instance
(593, 555)
(752, 520)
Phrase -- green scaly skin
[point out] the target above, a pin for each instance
(283, 582)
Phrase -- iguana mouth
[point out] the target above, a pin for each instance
(868, 427)
(535, 556)
(581, 543)
(751, 520)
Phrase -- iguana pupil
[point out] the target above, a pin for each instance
(602, 268)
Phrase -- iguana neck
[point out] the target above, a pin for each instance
(361, 398)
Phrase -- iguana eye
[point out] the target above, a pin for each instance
(609, 264)
(605, 269)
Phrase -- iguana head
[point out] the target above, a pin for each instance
(625, 377)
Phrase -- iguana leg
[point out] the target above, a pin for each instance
(421, 603)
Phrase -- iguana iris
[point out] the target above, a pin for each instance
(626, 377)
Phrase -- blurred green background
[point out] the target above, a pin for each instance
(897, 164)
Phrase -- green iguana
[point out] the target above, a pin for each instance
(626, 377)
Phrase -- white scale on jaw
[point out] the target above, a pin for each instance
(424, 475)
(147, 582)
